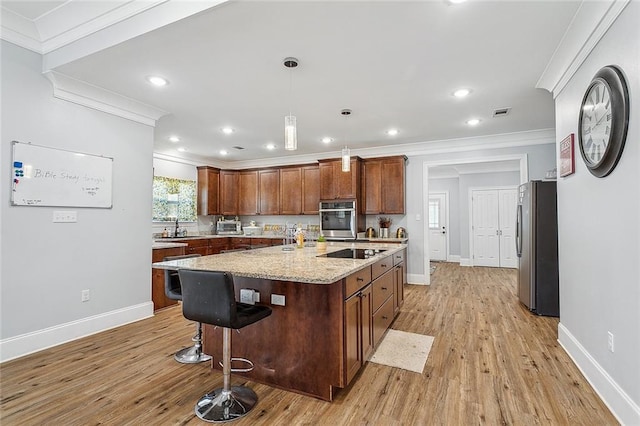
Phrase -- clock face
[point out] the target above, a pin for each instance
(603, 121)
(596, 122)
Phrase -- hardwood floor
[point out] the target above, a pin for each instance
(492, 362)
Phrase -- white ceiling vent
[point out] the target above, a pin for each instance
(501, 112)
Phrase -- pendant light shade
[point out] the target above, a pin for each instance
(290, 127)
(346, 159)
(290, 133)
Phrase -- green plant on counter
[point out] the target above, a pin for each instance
(321, 239)
(384, 222)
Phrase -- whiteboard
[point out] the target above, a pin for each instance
(44, 176)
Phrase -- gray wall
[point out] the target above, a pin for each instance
(599, 235)
(45, 265)
(541, 158)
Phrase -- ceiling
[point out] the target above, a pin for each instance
(395, 64)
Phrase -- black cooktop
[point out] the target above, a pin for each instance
(350, 253)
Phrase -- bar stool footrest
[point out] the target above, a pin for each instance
(239, 370)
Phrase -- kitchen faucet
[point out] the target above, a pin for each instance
(175, 233)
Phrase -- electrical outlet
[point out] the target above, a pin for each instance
(65, 216)
(85, 295)
(256, 296)
(277, 299)
(246, 296)
(610, 341)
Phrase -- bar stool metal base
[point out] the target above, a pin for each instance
(222, 405)
(191, 355)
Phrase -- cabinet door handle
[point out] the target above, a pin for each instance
(383, 265)
(385, 317)
(359, 279)
(383, 288)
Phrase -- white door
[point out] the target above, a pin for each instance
(486, 244)
(508, 205)
(493, 227)
(438, 226)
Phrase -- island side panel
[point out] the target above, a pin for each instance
(300, 346)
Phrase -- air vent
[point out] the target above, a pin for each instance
(501, 112)
(238, 147)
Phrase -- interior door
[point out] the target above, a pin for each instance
(508, 206)
(438, 226)
(486, 244)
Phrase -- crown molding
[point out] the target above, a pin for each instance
(82, 93)
(590, 23)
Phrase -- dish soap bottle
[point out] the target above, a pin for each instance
(165, 233)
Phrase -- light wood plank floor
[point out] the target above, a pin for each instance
(492, 362)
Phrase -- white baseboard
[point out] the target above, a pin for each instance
(417, 279)
(465, 262)
(25, 344)
(621, 405)
(453, 258)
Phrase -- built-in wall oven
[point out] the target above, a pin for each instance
(339, 220)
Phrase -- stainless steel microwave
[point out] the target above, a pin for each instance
(339, 220)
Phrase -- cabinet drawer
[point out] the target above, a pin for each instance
(200, 242)
(398, 257)
(381, 266)
(382, 320)
(356, 281)
(382, 289)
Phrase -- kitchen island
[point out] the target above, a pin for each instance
(328, 313)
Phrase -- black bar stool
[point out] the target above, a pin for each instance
(209, 297)
(173, 290)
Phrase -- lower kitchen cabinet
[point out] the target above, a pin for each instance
(358, 331)
(160, 300)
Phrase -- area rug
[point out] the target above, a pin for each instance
(432, 269)
(403, 350)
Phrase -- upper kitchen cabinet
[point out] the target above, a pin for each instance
(336, 184)
(259, 192)
(269, 191)
(229, 192)
(384, 185)
(299, 190)
(208, 190)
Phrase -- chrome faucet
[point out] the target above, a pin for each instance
(175, 233)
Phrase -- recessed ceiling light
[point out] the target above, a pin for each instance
(327, 139)
(456, 1)
(392, 132)
(227, 130)
(271, 146)
(461, 93)
(174, 139)
(473, 122)
(223, 152)
(157, 80)
(182, 149)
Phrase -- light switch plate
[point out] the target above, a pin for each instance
(277, 299)
(246, 296)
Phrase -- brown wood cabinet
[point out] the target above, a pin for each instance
(208, 190)
(384, 185)
(336, 184)
(269, 191)
(218, 245)
(197, 246)
(399, 280)
(228, 192)
(299, 190)
(248, 192)
(160, 300)
(357, 331)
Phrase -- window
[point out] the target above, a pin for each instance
(434, 214)
(174, 198)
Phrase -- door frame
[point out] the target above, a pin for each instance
(446, 206)
(470, 195)
(524, 177)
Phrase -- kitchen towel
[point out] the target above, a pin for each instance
(403, 350)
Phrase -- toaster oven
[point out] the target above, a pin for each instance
(228, 227)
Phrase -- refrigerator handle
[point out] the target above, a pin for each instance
(519, 231)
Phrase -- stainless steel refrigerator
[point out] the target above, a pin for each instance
(537, 247)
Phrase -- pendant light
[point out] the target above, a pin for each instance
(290, 128)
(346, 153)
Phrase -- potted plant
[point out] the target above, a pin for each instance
(321, 244)
(385, 223)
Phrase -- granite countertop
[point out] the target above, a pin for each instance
(298, 265)
(382, 240)
(209, 236)
(166, 245)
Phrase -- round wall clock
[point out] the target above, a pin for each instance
(604, 119)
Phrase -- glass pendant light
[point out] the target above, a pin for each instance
(346, 159)
(290, 128)
(346, 153)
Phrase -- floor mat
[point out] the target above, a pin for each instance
(403, 350)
